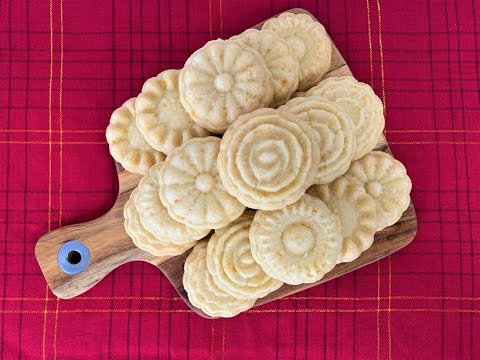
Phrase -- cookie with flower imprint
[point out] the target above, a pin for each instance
(310, 43)
(191, 189)
(223, 80)
(127, 145)
(161, 117)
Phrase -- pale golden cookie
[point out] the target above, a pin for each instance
(268, 158)
(202, 291)
(223, 80)
(355, 209)
(127, 145)
(154, 216)
(336, 136)
(144, 239)
(191, 189)
(231, 264)
(310, 43)
(297, 244)
(359, 102)
(279, 58)
(386, 180)
(161, 117)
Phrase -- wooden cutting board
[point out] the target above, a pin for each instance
(102, 244)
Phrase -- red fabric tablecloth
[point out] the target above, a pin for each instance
(65, 65)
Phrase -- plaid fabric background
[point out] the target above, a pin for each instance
(65, 65)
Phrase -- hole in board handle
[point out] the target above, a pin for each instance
(73, 257)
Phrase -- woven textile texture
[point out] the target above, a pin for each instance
(65, 65)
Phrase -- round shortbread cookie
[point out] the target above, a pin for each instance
(202, 291)
(297, 244)
(223, 80)
(154, 215)
(144, 239)
(359, 102)
(386, 180)
(280, 60)
(336, 135)
(268, 158)
(127, 145)
(231, 264)
(310, 43)
(161, 117)
(191, 189)
(355, 209)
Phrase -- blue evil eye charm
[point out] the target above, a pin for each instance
(73, 257)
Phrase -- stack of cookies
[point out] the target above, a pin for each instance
(257, 162)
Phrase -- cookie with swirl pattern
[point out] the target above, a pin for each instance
(268, 158)
(231, 263)
(202, 291)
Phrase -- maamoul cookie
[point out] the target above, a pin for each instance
(310, 43)
(191, 189)
(336, 136)
(230, 261)
(154, 215)
(202, 291)
(386, 180)
(348, 200)
(161, 117)
(268, 158)
(144, 239)
(126, 143)
(279, 58)
(223, 80)
(360, 104)
(297, 244)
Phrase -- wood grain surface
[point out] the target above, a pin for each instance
(110, 246)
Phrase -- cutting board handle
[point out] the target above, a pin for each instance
(76, 257)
